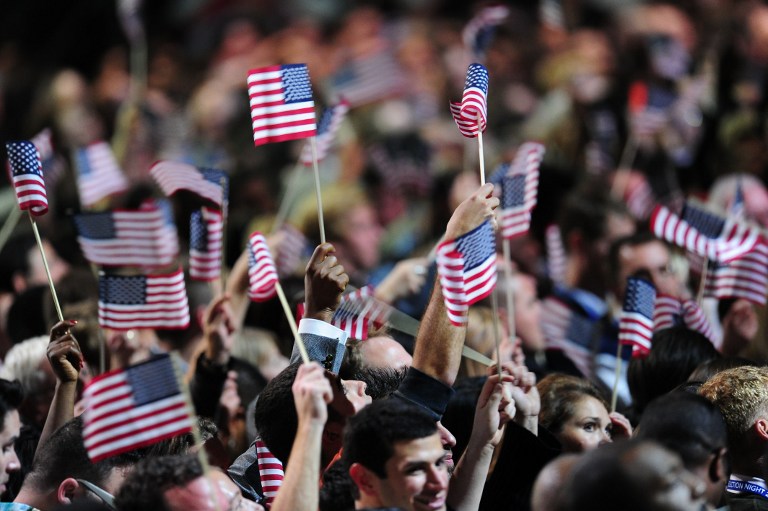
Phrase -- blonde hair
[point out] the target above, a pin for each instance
(741, 394)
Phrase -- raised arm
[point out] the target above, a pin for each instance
(311, 393)
(66, 360)
(437, 352)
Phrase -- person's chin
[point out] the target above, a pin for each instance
(430, 503)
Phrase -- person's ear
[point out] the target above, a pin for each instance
(761, 428)
(363, 478)
(65, 493)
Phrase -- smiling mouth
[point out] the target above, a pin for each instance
(436, 502)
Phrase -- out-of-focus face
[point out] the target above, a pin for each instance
(361, 234)
(196, 495)
(669, 486)
(588, 427)
(756, 204)
(652, 258)
(9, 462)
(417, 477)
(528, 313)
(37, 274)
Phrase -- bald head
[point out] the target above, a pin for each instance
(546, 494)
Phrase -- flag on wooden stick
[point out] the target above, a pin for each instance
(27, 176)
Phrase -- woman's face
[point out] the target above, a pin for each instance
(587, 428)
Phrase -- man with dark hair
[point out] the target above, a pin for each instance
(62, 463)
(692, 427)
(177, 483)
(395, 457)
(741, 394)
(11, 396)
(634, 475)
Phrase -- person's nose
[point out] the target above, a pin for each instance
(447, 439)
(13, 464)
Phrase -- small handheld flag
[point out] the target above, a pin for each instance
(478, 34)
(205, 242)
(467, 270)
(636, 320)
(143, 301)
(470, 115)
(98, 173)
(173, 176)
(519, 190)
(330, 122)
(27, 175)
(282, 107)
(262, 274)
(129, 408)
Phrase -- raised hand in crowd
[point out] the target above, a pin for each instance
(523, 391)
(324, 283)
(218, 330)
(406, 278)
(472, 212)
(66, 360)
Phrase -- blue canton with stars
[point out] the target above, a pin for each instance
(708, 224)
(24, 158)
(218, 177)
(513, 191)
(198, 232)
(477, 245)
(580, 330)
(640, 297)
(121, 290)
(325, 121)
(477, 76)
(296, 85)
(96, 226)
(498, 174)
(153, 380)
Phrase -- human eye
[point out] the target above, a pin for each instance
(590, 427)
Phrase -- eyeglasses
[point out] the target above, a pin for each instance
(103, 495)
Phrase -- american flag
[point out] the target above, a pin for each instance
(271, 472)
(471, 114)
(262, 274)
(745, 277)
(497, 176)
(478, 34)
(134, 407)
(143, 301)
(98, 174)
(556, 259)
(636, 319)
(206, 232)
(648, 109)
(733, 238)
(467, 269)
(368, 79)
(669, 312)
(282, 107)
(569, 331)
(519, 190)
(129, 237)
(329, 125)
(210, 184)
(358, 310)
(27, 176)
(737, 240)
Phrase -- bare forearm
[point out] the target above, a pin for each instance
(62, 410)
(300, 491)
(468, 479)
(438, 342)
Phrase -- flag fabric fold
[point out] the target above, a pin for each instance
(139, 237)
(569, 331)
(206, 233)
(732, 239)
(471, 113)
(282, 107)
(329, 125)
(370, 78)
(745, 277)
(262, 273)
(519, 190)
(143, 301)
(173, 176)
(27, 177)
(478, 34)
(636, 319)
(98, 173)
(556, 257)
(271, 473)
(134, 407)
(671, 312)
(467, 270)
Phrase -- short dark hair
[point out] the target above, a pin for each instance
(144, 487)
(64, 455)
(685, 423)
(560, 393)
(275, 415)
(633, 240)
(370, 435)
(11, 396)
(675, 353)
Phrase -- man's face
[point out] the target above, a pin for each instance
(9, 462)
(528, 313)
(196, 496)
(669, 486)
(651, 258)
(417, 477)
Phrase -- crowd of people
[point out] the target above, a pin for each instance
(533, 402)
